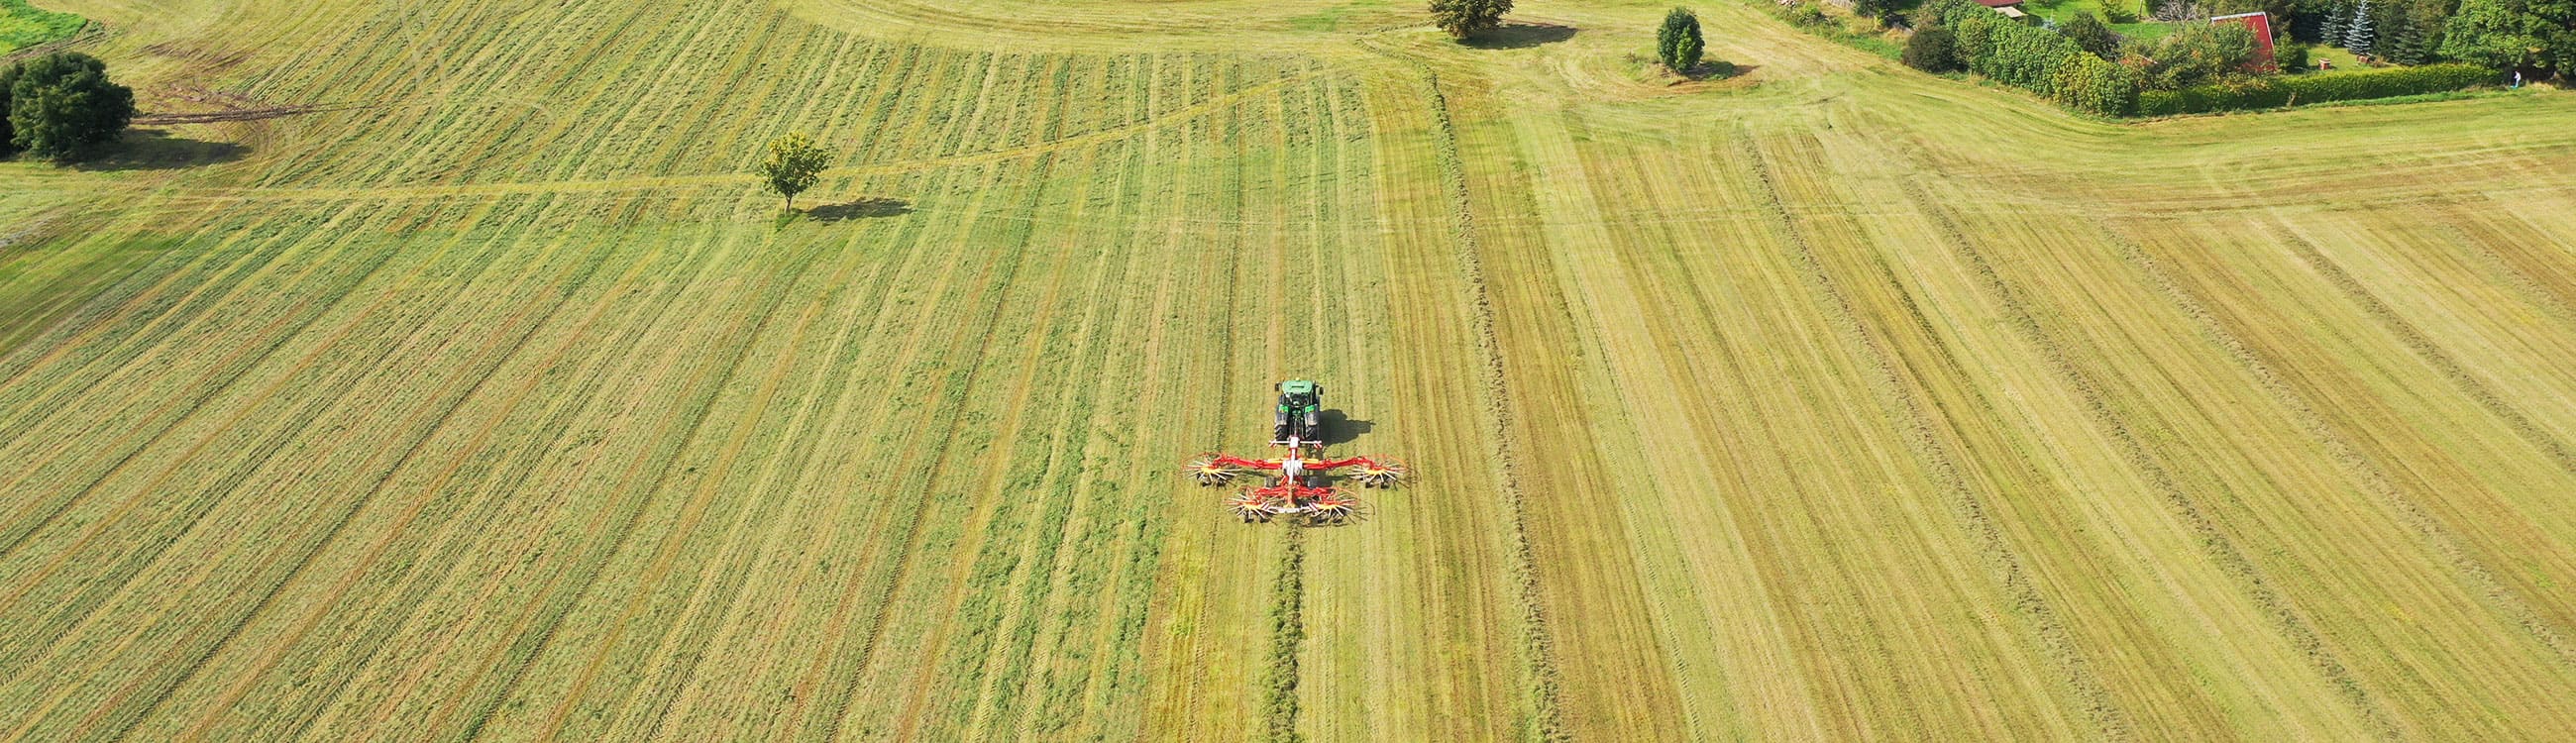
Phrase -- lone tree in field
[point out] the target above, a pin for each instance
(62, 107)
(795, 163)
(1678, 44)
(1464, 18)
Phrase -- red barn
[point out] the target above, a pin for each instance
(2261, 25)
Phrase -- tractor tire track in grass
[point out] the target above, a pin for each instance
(559, 421)
(747, 328)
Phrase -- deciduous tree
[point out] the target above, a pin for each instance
(795, 162)
(62, 107)
(2509, 34)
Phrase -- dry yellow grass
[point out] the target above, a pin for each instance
(1832, 402)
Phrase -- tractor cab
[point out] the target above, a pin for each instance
(1301, 412)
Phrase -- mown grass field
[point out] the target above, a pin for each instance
(484, 400)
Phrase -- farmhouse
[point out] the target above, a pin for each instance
(2010, 8)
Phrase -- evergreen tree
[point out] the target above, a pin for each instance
(2358, 36)
(2331, 22)
(1678, 43)
(2396, 31)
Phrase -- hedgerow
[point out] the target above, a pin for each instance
(2290, 90)
(2038, 60)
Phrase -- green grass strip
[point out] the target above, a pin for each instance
(23, 25)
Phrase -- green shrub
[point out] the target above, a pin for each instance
(1808, 14)
(2275, 92)
(2090, 84)
(1932, 49)
(2119, 12)
(2290, 57)
(1464, 18)
(2506, 34)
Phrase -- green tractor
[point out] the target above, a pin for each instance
(1301, 413)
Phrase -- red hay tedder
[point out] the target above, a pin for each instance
(1301, 482)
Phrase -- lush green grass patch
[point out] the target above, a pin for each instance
(23, 25)
(2061, 10)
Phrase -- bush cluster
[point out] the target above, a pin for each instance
(2274, 92)
(2038, 60)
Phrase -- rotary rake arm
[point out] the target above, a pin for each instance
(1303, 485)
(1218, 469)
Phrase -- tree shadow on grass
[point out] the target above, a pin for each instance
(1707, 72)
(155, 149)
(869, 207)
(1339, 429)
(1519, 36)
